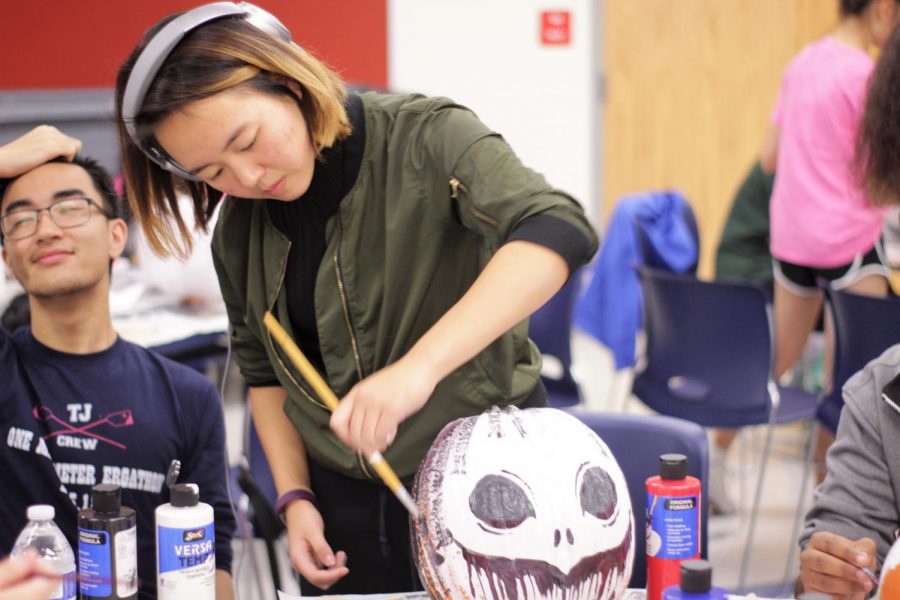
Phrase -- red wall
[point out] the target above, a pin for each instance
(71, 44)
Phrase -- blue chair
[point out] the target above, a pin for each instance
(254, 480)
(637, 441)
(864, 327)
(709, 360)
(550, 327)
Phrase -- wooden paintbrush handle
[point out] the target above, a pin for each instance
(324, 392)
(300, 361)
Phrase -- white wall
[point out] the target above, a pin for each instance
(488, 55)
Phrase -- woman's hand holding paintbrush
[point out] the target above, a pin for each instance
(368, 416)
(318, 384)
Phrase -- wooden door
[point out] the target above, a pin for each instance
(690, 86)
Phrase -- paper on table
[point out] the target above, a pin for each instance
(633, 594)
(169, 324)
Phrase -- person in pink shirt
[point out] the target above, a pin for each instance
(823, 228)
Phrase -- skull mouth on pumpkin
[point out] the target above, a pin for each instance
(523, 578)
(523, 504)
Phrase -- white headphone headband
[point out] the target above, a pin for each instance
(158, 49)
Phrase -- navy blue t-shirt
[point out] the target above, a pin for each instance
(120, 416)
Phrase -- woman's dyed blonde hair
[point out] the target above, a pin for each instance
(221, 55)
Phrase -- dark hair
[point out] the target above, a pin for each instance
(16, 314)
(213, 58)
(877, 160)
(854, 7)
(99, 177)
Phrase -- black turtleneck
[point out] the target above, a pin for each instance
(303, 222)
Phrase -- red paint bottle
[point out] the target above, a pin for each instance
(673, 523)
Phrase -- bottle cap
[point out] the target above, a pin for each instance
(41, 512)
(696, 576)
(673, 466)
(106, 498)
(184, 494)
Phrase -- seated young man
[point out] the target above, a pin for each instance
(856, 510)
(79, 405)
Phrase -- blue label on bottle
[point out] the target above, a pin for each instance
(672, 526)
(94, 562)
(66, 590)
(186, 549)
(69, 585)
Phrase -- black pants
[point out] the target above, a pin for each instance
(365, 520)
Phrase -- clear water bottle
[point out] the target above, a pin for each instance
(51, 546)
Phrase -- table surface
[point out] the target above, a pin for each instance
(631, 594)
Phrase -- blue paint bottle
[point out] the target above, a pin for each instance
(696, 583)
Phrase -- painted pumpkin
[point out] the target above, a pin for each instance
(522, 504)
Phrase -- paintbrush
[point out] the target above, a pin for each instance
(321, 388)
(870, 574)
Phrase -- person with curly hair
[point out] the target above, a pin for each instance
(877, 158)
(853, 521)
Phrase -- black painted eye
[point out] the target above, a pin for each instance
(598, 493)
(500, 502)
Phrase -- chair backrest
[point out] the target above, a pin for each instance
(609, 309)
(864, 327)
(550, 328)
(709, 350)
(254, 478)
(637, 441)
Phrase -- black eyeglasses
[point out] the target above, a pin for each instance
(71, 212)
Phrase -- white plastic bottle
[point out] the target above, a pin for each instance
(52, 547)
(185, 546)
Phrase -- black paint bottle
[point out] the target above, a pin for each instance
(107, 546)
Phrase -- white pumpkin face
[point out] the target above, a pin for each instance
(523, 504)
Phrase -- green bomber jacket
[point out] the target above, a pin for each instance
(437, 193)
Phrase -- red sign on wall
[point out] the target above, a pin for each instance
(556, 27)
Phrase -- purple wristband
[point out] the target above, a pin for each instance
(291, 495)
